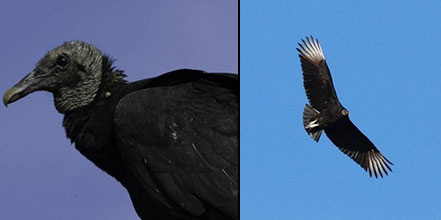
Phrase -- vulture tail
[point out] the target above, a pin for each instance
(310, 122)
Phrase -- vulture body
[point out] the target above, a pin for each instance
(326, 113)
(171, 141)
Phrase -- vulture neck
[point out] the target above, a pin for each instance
(70, 98)
(91, 127)
(98, 84)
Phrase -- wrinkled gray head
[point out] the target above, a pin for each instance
(72, 72)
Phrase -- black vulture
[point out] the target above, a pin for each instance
(171, 141)
(328, 114)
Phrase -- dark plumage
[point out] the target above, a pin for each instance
(328, 114)
(171, 141)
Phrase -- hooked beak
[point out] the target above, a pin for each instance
(27, 85)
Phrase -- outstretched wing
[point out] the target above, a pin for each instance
(346, 136)
(181, 142)
(317, 78)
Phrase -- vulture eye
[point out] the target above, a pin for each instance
(62, 61)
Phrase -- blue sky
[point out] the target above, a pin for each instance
(42, 175)
(385, 61)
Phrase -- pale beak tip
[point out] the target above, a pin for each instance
(10, 95)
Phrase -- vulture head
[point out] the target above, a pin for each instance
(344, 112)
(72, 72)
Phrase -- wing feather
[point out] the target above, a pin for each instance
(351, 141)
(317, 78)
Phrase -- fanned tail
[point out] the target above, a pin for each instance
(310, 122)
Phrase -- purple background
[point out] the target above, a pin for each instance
(42, 176)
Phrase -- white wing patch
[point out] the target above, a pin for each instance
(371, 161)
(311, 50)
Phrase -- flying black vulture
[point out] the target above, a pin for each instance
(328, 114)
(171, 141)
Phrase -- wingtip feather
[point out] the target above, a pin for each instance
(372, 161)
(378, 164)
(310, 49)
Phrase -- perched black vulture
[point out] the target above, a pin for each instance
(328, 114)
(171, 141)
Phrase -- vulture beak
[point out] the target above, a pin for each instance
(27, 85)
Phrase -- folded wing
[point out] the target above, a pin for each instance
(181, 142)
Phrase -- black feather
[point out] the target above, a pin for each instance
(328, 114)
(140, 135)
(171, 141)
